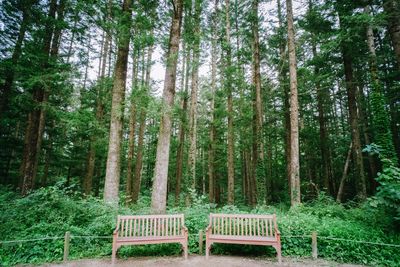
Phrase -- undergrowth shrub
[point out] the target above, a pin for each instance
(52, 211)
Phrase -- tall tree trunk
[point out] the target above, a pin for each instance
(344, 175)
(111, 184)
(353, 118)
(45, 176)
(159, 194)
(193, 96)
(362, 117)
(55, 45)
(88, 179)
(321, 102)
(392, 9)
(139, 156)
(132, 128)
(87, 63)
(71, 42)
(182, 126)
(257, 105)
(282, 75)
(294, 112)
(211, 148)
(228, 86)
(380, 117)
(35, 124)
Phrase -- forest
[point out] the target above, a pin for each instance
(114, 107)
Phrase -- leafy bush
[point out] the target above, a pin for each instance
(52, 211)
(388, 192)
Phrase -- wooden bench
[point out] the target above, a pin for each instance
(150, 229)
(243, 229)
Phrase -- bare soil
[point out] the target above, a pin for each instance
(198, 261)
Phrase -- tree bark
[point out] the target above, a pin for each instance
(257, 102)
(362, 117)
(282, 72)
(211, 148)
(392, 10)
(181, 144)
(35, 124)
(193, 96)
(294, 112)
(323, 134)
(111, 184)
(380, 117)
(88, 179)
(132, 128)
(139, 157)
(344, 175)
(353, 118)
(159, 194)
(55, 45)
(230, 163)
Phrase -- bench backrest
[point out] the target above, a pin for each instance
(243, 225)
(150, 225)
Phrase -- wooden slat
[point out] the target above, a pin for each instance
(122, 227)
(126, 227)
(222, 226)
(251, 226)
(149, 216)
(147, 227)
(178, 225)
(165, 227)
(270, 227)
(237, 226)
(174, 227)
(213, 227)
(158, 227)
(151, 226)
(216, 215)
(134, 227)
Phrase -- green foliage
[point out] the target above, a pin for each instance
(53, 211)
(388, 192)
(50, 212)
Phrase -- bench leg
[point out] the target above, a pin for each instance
(114, 253)
(278, 253)
(185, 249)
(208, 248)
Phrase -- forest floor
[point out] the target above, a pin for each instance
(198, 261)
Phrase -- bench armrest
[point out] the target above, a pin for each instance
(277, 232)
(208, 229)
(185, 231)
(116, 231)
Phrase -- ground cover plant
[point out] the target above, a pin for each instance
(59, 210)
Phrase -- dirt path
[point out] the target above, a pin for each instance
(198, 261)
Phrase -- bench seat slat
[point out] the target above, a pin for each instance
(244, 238)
